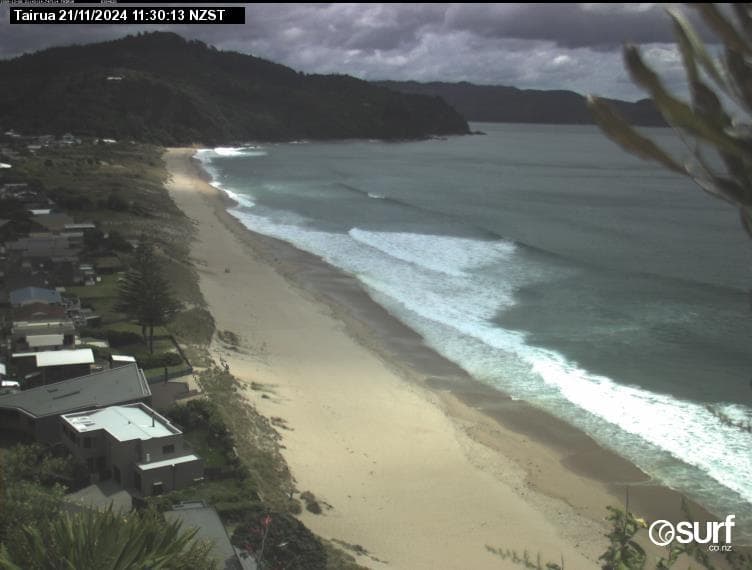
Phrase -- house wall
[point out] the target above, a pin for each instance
(47, 429)
(13, 420)
(43, 430)
(77, 445)
(156, 448)
(59, 373)
(171, 476)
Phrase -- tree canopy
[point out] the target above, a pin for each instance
(172, 91)
(145, 296)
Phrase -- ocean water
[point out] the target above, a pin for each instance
(550, 264)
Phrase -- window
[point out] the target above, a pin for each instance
(157, 488)
(168, 449)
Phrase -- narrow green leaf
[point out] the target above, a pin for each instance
(621, 132)
(740, 74)
(723, 28)
(686, 34)
(677, 112)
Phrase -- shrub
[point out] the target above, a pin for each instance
(204, 415)
(159, 360)
(93, 332)
(99, 352)
(279, 540)
(311, 504)
(123, 338)
(118, 242)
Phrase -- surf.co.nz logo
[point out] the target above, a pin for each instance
(663, 533)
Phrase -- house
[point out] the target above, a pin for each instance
(197, 515)
(38, 311)
(81, 227)
(121, 360)
(36, 412)
(53, 222)
(48, 367)
(38, 327)
(136, 446)
(28, 295)
(47, 247)
(108, 265)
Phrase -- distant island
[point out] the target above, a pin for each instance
(161, 88)
(503, 104)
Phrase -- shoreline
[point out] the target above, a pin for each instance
(555, 474)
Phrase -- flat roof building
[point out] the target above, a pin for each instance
(139, 448)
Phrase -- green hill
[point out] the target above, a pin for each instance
(161, 88)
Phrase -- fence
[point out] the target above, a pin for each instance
(169, 372)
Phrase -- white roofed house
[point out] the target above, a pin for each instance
(135, 446)
(43, 335)
(46, 367)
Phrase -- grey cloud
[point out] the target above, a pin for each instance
(545, 46)
(567, 25)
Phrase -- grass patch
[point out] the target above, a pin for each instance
(106, 288)
(201, 443)
(194, 326)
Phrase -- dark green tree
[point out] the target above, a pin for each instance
(704, 124)
(145, 296)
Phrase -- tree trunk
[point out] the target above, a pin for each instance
(151, 339)
(143, 333)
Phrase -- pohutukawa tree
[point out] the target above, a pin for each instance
(145, 296)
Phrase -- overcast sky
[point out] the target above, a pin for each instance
(538, 46)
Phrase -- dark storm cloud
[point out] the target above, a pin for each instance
(603, 26)
(572, 46)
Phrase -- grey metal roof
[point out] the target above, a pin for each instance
(32, 294)
(106, 388)
(195, 514)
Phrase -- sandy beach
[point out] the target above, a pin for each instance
(420, 465)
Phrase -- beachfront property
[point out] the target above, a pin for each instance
(50, 366)
(134, 445)
(55, 222)
(36, 412)
(209, 527)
